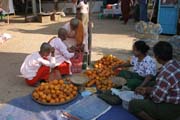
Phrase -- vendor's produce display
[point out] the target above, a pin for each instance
(54, 92)
(102, 73)
(108, 61)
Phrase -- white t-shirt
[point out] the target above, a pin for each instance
(84, 8)
(61, 52)
(145, 67)
(33, 62)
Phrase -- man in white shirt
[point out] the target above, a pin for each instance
(62, 55)
(37, 66)
(83, 8)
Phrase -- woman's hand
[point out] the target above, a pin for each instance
(143, 90)
(140, 90)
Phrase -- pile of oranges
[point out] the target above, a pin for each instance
(98, 73)
(108, 61)
(55, 91)
(102, 84)
(102, 71)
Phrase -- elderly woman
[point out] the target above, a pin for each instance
(76, 34)
(62, 55)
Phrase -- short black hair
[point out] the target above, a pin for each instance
(62, 31)
(45, 47)
(163, 50)
(141, 46)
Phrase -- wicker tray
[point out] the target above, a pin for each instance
(118, 81)
(79, 79)
(54, 104)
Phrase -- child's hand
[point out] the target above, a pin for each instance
(52, 51)
(71, 49)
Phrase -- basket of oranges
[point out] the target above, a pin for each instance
(55, 92)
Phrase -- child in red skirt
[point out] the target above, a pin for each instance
(37, 66)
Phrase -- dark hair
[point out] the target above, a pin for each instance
(61, 32)
(45, 47)
(85, 1)
(74, 22)
(141, 46)
(163, 50)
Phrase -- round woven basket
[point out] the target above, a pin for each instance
(79, 79)
(118, 81)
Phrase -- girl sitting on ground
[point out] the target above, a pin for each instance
(144, 67)
(36, 67)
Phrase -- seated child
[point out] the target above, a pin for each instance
(62, 54)
(144, 67)
(37, 66)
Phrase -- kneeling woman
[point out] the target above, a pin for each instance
(144, 67)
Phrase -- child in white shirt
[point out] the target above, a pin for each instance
(36, 66)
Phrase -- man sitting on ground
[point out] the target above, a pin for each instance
(164, 97)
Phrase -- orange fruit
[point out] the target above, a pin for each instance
(61, 82)
(48, 97)
(55, 82)
(68, 98)
(62, 100)
(75, 88)
(44, 101)
(35, 95)
(52, 101)
(74, 93)
(71, 96)
(53, 91)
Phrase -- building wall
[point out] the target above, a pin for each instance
(49, 6)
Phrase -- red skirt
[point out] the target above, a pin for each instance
(42, 74)
(64, 68)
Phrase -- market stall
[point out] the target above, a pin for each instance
(74, 98)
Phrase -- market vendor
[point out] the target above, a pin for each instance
(76, 35)
(62, 55)
(37, 66)
(144, 67)
(163, 101)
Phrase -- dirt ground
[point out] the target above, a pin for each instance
(110, 36)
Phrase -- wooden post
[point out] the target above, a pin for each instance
(40, 10)
(90, 33)
(8, 18)
(34, 7)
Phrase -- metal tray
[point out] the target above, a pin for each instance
(54, 104)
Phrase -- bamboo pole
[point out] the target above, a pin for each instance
(90, 33)
(8, 18)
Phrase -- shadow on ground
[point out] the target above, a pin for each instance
(11, 85)
(48, 29)
(120, 53)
